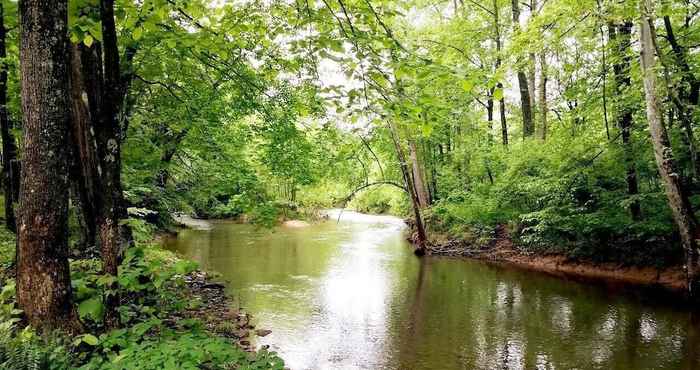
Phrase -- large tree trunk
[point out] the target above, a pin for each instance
(10, 178)
(85, 89)
(621, 40)
(43, 277)
(525, 101)
(677, 198)
(98, 96)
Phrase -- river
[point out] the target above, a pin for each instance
(351, 295)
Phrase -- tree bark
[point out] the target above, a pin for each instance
(685, 97)
(543, 95)
(677, 197)
(84, 173)
(114, 237)
(421, 236)
(621, 40)
(10, 178)
(418, 176)
(43, 277)
(499, 85)
(532, 70)
(525, 101)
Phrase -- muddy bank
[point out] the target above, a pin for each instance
(503, 251)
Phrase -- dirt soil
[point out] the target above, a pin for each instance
(503, 251)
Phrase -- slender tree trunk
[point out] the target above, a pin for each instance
(171, 144)
(421, 236)
(499, 85)
(9, 147)
(418, 177)
(43, 277)
(543, 95)
(677, 198)
(685, 97)
(621, 40)
(489, 114)
(525, 101)
(114, 237)
(532, 70)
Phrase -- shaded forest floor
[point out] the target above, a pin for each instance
(503, 250)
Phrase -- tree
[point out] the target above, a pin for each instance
(525, 97)
(43, 277)
(685, 95)
(499, 85)
(677, 197)
(620, 38)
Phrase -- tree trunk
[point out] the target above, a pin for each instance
(84, 173)
(543, 95)
(171, 144)
(9, 147)
(532, 70)
(43, 277)
(677, 198)
(421, 237)
(499, 85)
(418, 177)
(621, 40)
(685, 97)
(114, 237)
(489, 114)
(525, 101)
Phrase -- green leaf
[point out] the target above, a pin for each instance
(91, 308)
(137, 34)
(467, 85)
(88, 40)
(498, 94)
(89, 339)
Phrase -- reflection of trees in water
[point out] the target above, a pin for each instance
(462, 316)
(452, 314)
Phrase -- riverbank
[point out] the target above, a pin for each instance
(502, 250)
(294, 217)
(218, 310)
(173, 315)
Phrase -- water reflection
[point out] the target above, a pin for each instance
(350, 295)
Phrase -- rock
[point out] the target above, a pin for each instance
(214, 286)
(263, 332)
(244, 342)
(242, 333)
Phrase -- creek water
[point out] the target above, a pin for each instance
(351, 295)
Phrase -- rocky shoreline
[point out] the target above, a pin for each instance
(217, 311)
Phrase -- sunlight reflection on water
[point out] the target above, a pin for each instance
(351, 295)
